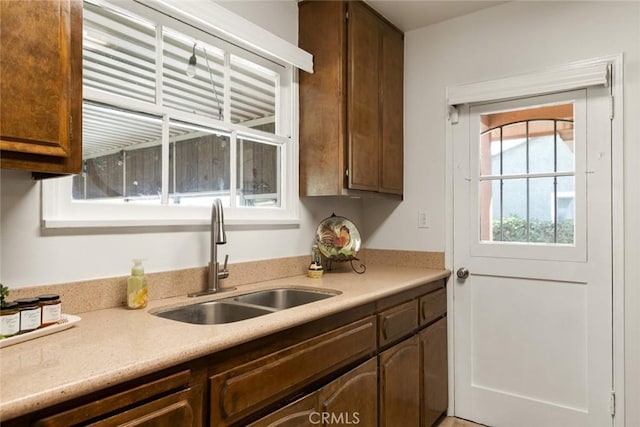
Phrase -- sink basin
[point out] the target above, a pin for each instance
(244, 307)
(281, 299)
(213, 313)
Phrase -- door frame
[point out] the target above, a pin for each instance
(507, 86)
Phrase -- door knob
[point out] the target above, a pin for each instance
(462, 273)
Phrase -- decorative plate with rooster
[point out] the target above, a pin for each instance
(338, 238)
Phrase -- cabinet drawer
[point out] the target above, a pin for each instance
(433, 306)
(173, 410)
(397, 322)
(117, 402)
(240, 391)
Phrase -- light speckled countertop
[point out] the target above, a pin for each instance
(115, 345)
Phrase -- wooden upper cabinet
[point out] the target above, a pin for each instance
(41, 85)
(392, 111)
(351, 107)
(363, 99)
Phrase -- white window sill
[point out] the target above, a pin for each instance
(59, 212)
(160, 222)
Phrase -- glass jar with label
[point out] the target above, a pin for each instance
(9, 319)
(30, 314)
(51, 308)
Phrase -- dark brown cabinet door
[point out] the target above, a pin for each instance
(400, 384)
(363, 112)
(301, 413)
(392, 111)
(433, 343)
(352, 398)
(169, 411)
(41, 85)
(322, 32)
(156, 403)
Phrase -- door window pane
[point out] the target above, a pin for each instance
(490, 202)
(542, 152)
(514, 149)
(490, 146)
(565, 209)
(565, 147)
(541, 220)
(514, 210)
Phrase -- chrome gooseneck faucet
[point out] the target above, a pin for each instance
(218, 237)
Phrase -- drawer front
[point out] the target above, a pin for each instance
(99, 408)
(433, 306)
(397, 322)
(240, 391)
(173, 410)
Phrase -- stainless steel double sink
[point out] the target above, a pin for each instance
(245, 306)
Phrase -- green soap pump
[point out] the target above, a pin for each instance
(137, 286)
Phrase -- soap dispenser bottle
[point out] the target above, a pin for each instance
(137, 286)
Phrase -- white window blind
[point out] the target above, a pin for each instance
(577, 75)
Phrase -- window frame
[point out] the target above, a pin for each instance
(60, 211)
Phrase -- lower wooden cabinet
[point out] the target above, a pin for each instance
(164, 402)
(246, 389)
(400, 384)
(413, 373)
(433, 346)
(381, 364)
(169, 411)
(351, 399)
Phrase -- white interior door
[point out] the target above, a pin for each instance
(532, 228)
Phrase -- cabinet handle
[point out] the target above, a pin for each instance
(384, 328)
(423, 310)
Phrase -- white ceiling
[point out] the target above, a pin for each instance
(408, 15)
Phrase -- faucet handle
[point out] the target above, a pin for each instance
(224, 273)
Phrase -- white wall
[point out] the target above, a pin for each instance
(511, 38)
(31, 256)
(280, 17)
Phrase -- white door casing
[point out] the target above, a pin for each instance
(533, 323)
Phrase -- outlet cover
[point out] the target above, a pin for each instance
(423, 218)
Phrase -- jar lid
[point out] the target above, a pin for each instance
(48, 297)
(9, 305)
(27, 301)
